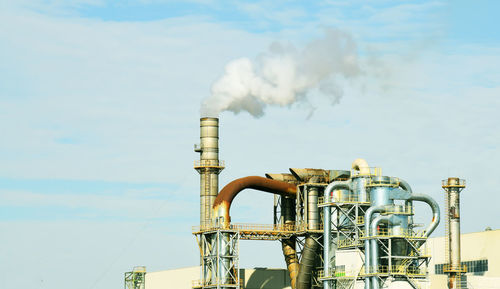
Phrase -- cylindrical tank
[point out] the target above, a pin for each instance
(359, 188)
(380, 188)
(313, 210)
(400, 219)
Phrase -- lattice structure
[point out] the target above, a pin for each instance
(219, 251)
(347, 223)
(136, 279)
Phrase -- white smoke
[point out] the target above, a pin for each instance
(284, 75)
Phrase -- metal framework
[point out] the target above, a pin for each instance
(136, 278)
(219, 251)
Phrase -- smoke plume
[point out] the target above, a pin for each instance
(284, 75)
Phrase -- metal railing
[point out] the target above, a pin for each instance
(263, 227)
(395, 270)
(451, 268)
(460, 184)
(291, 228)
(399, 210)
(209, 164)
(374, 171)
(343, 198)
(332, 273)
(391, 182)
(207, 283)
(349, 243)
(405, 233)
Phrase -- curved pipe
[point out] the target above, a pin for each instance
(362, 166)
(222, 203)
(405, 186)
(436, 216)
(368, 215)
(327, 226)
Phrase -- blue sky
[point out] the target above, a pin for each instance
(99, 109)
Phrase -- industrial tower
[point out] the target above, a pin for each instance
(456, 271)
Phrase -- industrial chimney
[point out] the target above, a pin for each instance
(454, 268)
(209, 166)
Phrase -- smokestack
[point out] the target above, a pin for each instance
(454, 268)
(209, 166)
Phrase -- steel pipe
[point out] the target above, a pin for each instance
(327, 226)
(435, 211)
(368, 215)
(222, 203)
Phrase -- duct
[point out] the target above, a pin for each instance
(398, 194)
(368, 216)
(222, 203)
(435, 211)
(362, 166)
(307, 263)
(405, 186)
(327, 227)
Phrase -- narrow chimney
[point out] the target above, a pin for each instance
(454, 268)
(209, 166)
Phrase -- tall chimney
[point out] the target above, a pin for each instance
(454, 268)
(209, 166)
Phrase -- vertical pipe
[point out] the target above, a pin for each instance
(327, 228)
(327, 239)
(368, 216)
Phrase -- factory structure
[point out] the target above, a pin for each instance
(344, 228)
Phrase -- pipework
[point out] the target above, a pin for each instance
(327, 226)
(222, 203)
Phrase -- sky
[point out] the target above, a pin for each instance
(100, 106)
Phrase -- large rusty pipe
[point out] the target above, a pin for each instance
(222, 203)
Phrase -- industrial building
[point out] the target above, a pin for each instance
(339, 228)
